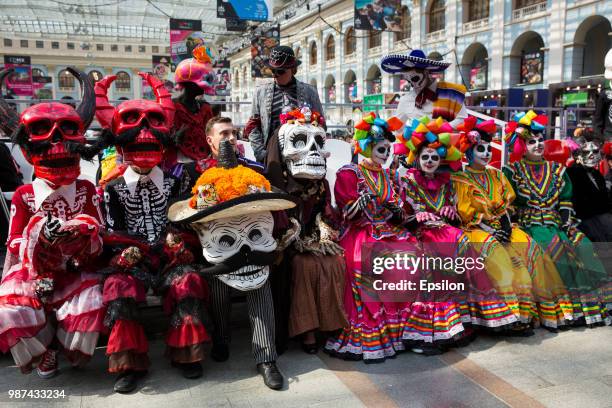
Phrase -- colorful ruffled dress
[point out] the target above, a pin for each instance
(375, 327)
(524, 276)
(479, 304)
(544, 189)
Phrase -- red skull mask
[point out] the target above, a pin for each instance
(145, 118)
(52, 135)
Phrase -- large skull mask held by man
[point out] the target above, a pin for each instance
(302, 144)
(230, 211)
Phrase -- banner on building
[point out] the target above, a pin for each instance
(532, 68)
(261, 45)
(378, 15)
(223, 82)
(185, 35)
(254, 10)
(42, 86)
(162, 69)
(19, 82)
(478, 76)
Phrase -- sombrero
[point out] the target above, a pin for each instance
(228, 190)
(396, 63)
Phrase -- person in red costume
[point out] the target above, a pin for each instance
(50, 295)
(136, 218)
(194, 77)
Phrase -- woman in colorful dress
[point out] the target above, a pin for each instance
(524, 276)
(544, 210)
(372, 210)
(428, 189)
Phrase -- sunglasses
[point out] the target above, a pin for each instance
(279, 72)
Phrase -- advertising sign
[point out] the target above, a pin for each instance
(254, 10)
(19, 83)
(478, 76)
(532, 67)
(373, 103)
(575, 98)
(378, 15)
(261, 45)
(223, 82)
(185, 35)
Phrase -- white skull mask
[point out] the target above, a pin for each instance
(590, 155)
(381, 152)
(482, 153)
(535, 147)
(418, 79)
(303, 149)
(223, 238)
(429, 160)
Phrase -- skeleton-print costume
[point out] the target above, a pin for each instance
(50, 295)
(230, 210)
(136, 217)
(313, 267)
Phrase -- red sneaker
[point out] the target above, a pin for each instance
(47, 367)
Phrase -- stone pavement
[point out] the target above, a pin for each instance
(569, 369)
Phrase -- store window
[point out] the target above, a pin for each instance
(350, 41)
(374, 39)
(66, 80)
(330, 48)
(437, 20)
(313, 53)
(406, 25)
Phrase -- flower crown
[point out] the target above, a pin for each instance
(304, 115)
(435, 134)
(520, 130)
(471, 132)
(371, 130)
(219, 184)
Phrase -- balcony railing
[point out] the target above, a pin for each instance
(476, 25)
(352, 57)
(435, 36)
(529, 11)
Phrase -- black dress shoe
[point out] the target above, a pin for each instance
(310, 348)
(219, 352)
(127, 381)
(271, 376)
(190, 370)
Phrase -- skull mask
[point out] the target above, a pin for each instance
(381, 152)
(140, 127)
(429, 161)
(302, 147)
(52, 135)
(590, 155)
(418, 79)
(243, 236)
(481, 153)
(535, 147)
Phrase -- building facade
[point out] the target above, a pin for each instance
(494, 45)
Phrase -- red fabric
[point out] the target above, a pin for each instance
(194, 143)
(127, 335)
(88, 322)
(187, 334)
(18, 300)
(12, 336)
(555, 150)
(432, 184)
(120, 285)
(186, 286)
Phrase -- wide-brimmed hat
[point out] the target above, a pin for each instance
(396, 63)
(282, 57)
(228, 190)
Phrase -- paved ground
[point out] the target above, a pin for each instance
(569, 369)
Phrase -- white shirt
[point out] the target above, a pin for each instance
(43, 190)
(156, 175)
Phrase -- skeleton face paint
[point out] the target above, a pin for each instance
(481, 154)
(418, 78)
(225, 237)
(590, 156)
(381, 152)
(429, 160)
(535, 147)
(303, 150)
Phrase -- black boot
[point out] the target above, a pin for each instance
(127, 381)
(190, 370)
(271, 376)
(219, 352)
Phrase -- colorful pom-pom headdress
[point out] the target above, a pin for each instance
(436, 134)
(371, 130)
(473, 133)
(520, 129)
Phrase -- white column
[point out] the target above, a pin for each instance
(554, 56)
(136, 83)
(386, 79)
(450, 18)
(496, 53)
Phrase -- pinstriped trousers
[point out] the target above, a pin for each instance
(261, 317)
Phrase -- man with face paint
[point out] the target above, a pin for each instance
(429, 191)
(231, 211)
(527, 278)
(428, 97)
(545, 211)
(590, 196)
(372, 211)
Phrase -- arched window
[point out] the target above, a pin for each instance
(95, 76)
(350, 44)
(436, 16)
(66, 80)
(374, 39)
(313, 53)
(123, 82)
(298, 53)
(477, 9)
(330, 48)
(406, 25)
